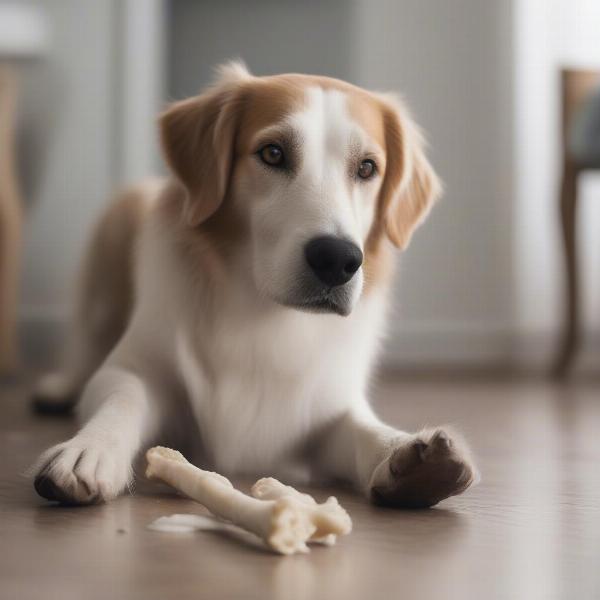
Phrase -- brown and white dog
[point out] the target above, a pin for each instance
(249, 292)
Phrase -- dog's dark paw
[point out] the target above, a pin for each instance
(47, 488)
(50, 406)
(423, 471)
(54, 395)
(75, 473)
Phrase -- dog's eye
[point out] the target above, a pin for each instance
(366, 169)
(271, 155)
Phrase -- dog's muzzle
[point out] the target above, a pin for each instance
(325, 285)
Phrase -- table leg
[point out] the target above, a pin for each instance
(10, 222)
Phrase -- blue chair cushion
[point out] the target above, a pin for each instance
(584, 136)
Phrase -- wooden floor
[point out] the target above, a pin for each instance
(531, 529)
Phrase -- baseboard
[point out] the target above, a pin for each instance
(414, 348)
(480, 348)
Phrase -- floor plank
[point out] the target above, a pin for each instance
(531, 529)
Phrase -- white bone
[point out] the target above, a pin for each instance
(269, 488)
(285, 524)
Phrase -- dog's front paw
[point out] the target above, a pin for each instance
(76, 472)
(424, 470)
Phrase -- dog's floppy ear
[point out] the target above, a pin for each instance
(410, 186)
(198, 137)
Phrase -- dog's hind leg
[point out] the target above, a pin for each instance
(104, 301)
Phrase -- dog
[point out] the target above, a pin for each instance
(240, 303)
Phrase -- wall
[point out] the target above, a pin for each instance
(272, 37)
(550, 35)
(452, 63)
(480, 283)
(86, 126)
(67, 150)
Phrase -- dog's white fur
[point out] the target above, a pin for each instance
(270, 386)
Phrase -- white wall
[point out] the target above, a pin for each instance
(272, 37)
(142, 74)
(87, 125)
(480, 282)
(550, 34)
(452, 62)
(67, 149)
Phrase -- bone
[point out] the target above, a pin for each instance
(285, 523)
(269, 488)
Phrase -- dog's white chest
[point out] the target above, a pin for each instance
(259, 386)
(253, 392)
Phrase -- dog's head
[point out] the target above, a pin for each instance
(312, 173)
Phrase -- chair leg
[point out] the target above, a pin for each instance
(569, 343)
(10, 224)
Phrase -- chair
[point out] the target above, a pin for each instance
(576, 85)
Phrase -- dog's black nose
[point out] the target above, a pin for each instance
(333, 260)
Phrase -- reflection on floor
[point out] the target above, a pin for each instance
(531, 529)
